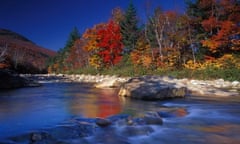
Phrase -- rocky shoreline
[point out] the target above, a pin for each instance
(218, 87)
(123, 126)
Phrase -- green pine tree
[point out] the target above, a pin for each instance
(73, 36)
(129, 28)
(64, 52)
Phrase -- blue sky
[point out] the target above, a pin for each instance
(49, 22)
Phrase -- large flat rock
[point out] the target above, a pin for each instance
(151, 88)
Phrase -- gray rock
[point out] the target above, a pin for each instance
(36, 137)
(146, 88)
(152, 118)
(103, 122)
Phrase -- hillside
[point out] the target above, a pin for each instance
(21, 54)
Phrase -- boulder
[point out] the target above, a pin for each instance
(108, 83)
(10, 80)
(103, 122)
(149, 88)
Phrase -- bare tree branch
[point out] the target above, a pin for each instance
(3, 52)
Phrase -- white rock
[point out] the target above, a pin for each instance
(235, 83)
(107, 83)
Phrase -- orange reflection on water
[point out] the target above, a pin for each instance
(97, 103)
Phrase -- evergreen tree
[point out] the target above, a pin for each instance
(73, 36)
(64, 52)
(129, 28)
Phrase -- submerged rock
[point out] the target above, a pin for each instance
(173, 112)
(151, 88)
(137, 130)
(152, 119)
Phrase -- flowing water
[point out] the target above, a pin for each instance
(209, 120)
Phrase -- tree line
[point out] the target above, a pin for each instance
(206, 35)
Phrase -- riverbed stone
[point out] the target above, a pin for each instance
(148, 88)
(149, 120)
(103, 122)
(36, 137)
(108, 83)
(152, 118)
(218, 87)
(235, 83)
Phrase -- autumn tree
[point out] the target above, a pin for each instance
(63, 53)
(158, 23)
(222, 27)
(90, 37)
(18, 56)
(3, 52)
(141, 55)
(129, 28)
(117, 15)
(78, 57)
(110, 44)
(216, 25)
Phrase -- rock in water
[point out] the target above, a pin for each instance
(153, 119)
(151, 88)
(103, 122)
(36, 137)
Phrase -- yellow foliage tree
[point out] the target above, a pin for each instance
(90, 37)
(141, 56)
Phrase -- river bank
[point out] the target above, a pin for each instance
(193, 119)
(218, 87)
(11, 80)
(183, 121)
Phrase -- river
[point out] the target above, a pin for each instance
(209, 119)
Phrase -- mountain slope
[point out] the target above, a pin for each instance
(21, 54)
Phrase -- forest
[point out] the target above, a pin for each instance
(202, 42)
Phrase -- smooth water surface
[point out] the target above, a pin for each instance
(209, 120)
(33, 108)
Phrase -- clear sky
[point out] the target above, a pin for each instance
(49, 22)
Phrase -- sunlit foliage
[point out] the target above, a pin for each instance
(206, 36)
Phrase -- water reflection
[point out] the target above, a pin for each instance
(199, 120)
(95, 103)
(33, 108)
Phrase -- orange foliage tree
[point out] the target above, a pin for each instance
(91, 45)
(222, 27)
(142, 56)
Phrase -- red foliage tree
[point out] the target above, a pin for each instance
(110, 44)
(222, 26)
